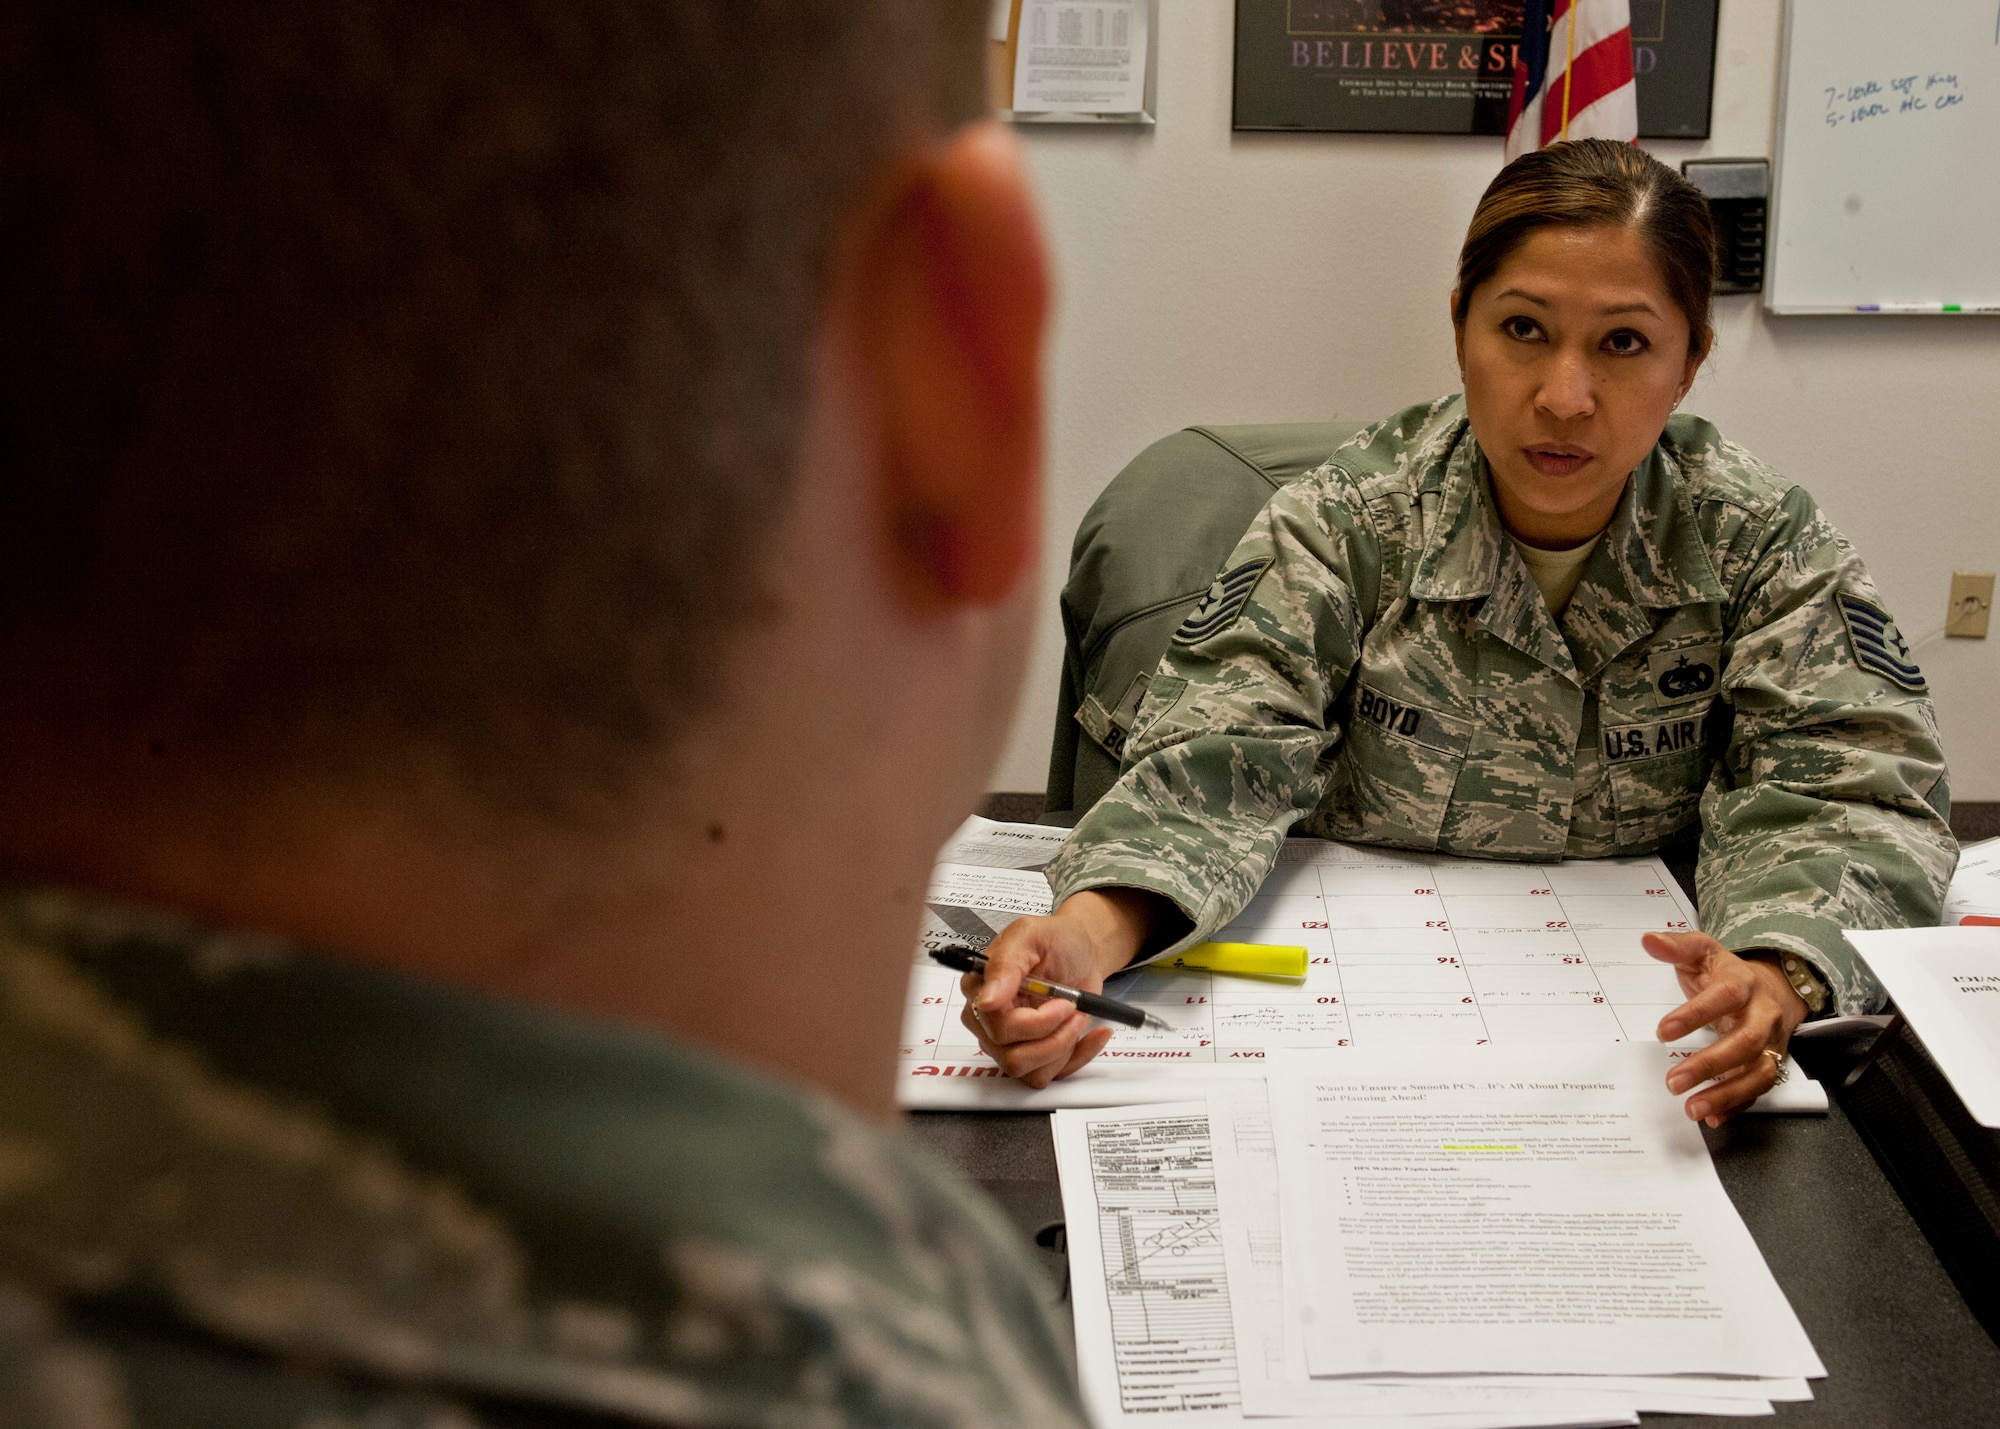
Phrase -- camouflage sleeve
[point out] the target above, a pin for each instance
(1828, 807)
(1232, 745)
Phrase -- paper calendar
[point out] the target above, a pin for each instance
(1405, 948)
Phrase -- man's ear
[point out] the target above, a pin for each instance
(944, 283)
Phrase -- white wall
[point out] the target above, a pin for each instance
(1208, 276)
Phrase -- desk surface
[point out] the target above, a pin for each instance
(1899, 1344)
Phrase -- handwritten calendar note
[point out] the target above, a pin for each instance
(1404, 948)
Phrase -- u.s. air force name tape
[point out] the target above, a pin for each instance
(1877, 644)
(1223, 602)
(1626, 742)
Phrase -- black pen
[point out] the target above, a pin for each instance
(962, 959)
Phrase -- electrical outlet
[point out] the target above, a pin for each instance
(1971, 604)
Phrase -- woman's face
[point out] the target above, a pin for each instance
(1573, 356)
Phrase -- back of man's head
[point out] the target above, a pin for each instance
(404, 386)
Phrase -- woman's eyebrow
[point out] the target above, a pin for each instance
(1612, 311)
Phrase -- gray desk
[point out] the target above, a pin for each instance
(1899, 1345)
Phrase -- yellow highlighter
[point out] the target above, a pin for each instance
(1242, 959)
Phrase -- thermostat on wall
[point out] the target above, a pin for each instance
(1739, 196)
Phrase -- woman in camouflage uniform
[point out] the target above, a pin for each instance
(1547, 618)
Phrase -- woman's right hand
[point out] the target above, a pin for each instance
(1092, 935)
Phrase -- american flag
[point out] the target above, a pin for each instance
(1573, 79)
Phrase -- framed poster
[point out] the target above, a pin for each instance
(1443, 66)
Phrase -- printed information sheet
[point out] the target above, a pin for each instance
(1946, 981)
(1146, 1252)
(1268, 1288)
(1516, 1210)
(1081, 57)
(1153, 1306)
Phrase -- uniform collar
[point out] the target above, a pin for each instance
(1652, 557)
(1654, 542)
(1463, 538)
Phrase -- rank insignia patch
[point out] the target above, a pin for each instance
(1877, 643)
(1223, 602)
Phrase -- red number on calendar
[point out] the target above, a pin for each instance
(1320, 924)
(1556, 923)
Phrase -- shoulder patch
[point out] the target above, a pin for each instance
(1877, 643)
(1223, 602)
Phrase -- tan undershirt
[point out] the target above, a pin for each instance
(1556, 572)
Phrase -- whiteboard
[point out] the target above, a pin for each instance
(1887, 194)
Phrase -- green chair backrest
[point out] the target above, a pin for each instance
(1145, 552)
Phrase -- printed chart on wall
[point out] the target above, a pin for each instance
(1403, 948)
(1073, 61)
(1444, 66)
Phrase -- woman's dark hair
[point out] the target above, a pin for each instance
(1592, 183)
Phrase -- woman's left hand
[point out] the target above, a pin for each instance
(1751, 1007)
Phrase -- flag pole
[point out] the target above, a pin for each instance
(1569, 68)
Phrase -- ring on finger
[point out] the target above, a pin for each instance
(1778, 1066)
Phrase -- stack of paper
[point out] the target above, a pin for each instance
(1453, 1237)
(1974, 896)
(1946, 983)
